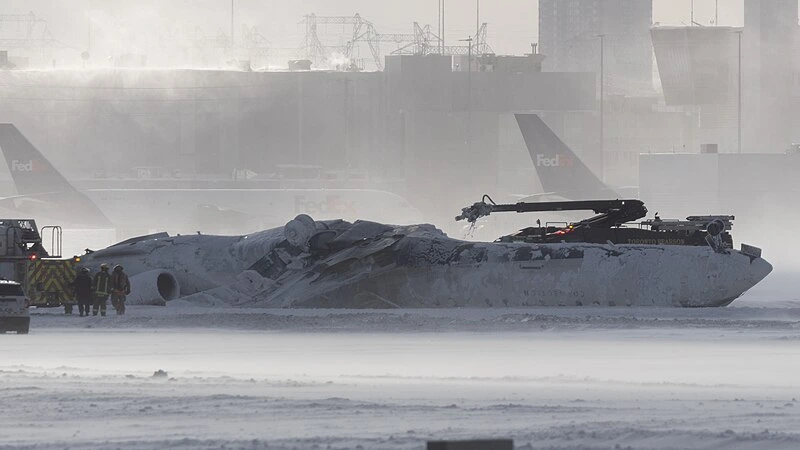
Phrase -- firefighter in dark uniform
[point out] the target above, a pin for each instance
(102, 287)
(83, 291)
(120, 287)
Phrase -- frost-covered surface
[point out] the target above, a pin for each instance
(337, 264)
(563, 378)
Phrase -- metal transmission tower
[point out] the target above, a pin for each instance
(254, 44)
(404, 42)
(362, 31)
(421, 42)
(24, 31)
(424, 42)
(311, 47)
(478, 47)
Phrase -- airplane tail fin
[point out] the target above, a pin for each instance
(560, 170)
(37, 180)
(31, 171)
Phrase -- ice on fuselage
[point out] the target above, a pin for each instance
(338, 264)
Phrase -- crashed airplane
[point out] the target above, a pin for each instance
(338, 264)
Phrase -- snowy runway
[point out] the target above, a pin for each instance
(546, 378)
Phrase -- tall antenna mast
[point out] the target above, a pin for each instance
(441, 27)
(444, 15)
(477, 24)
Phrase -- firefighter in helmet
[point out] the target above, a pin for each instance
(102, 287)
(120, 287)
(83, 291)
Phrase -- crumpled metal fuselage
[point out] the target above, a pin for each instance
(369, 265)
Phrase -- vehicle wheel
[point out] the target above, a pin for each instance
(24, 325)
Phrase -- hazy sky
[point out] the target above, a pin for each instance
(513, 24)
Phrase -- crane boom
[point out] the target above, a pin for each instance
(609, 212)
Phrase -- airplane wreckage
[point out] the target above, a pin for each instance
(607, 259)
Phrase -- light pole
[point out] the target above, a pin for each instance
(602, 94)
(469, 91)
(444, 31)
(441, 35)
(739, 99)
(469, 74)
(477, 23)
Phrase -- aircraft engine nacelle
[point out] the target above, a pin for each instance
(155, 287)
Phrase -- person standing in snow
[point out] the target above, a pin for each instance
(102, 287)
(83, 291)
(120, 287)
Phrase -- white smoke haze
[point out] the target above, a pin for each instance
(159, 119)
(111, 29)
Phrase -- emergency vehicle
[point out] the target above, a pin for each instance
(13, 308)
(45, 277)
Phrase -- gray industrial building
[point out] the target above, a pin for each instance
(698, 69)
(414, 128)
(769, 64)
(635, 121)
(752, 186)
(569, 33)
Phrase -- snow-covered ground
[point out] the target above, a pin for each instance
(564, 378)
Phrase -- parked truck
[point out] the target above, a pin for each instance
(44, 276)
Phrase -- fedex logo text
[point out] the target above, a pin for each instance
(556, 161)
(332, 204)
(23, 166)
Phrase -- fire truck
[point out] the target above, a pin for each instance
(45, 276)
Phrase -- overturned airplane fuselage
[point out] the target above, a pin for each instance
(337, 264)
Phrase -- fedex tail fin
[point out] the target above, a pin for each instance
(560, 170)
(39, 182)
(32, 172)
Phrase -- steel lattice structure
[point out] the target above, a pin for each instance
(421, 42)
(24, 31)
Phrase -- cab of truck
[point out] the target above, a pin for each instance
(14, 315)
